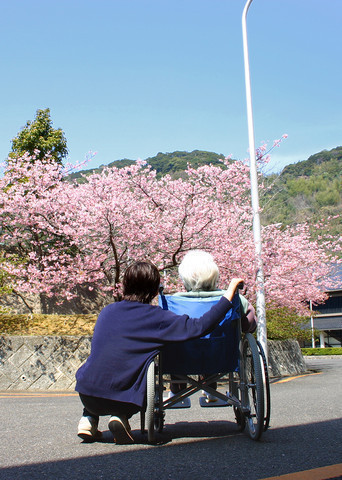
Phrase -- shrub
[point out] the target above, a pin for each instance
(283, 324)
(322, 351)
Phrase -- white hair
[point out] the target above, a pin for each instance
(198, 271)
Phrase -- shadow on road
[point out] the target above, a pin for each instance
(224, 453)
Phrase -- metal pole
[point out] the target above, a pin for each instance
(260, 292)
(312, 327)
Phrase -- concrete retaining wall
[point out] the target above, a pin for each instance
(285, 358)
(41, 362)
(50, 362)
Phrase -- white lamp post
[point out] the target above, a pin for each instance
(260, 293)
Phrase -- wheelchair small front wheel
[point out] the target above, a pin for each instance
(240, 419)
(159, 421)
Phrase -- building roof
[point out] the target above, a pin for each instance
(328, 323)
(335, 277)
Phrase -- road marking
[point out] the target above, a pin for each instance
(323, 473)
(35, 395)
(48, 394)
(289, 379)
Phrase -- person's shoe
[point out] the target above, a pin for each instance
(87, 429)
(208, 397)
(208, 400)
(121, 430)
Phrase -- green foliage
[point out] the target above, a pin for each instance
(176, 162)
(5, 278)
(326, 198)
(326, 162)
(5, 287)
(310, 190)
(283, 324)
(322, 351)
(40, 135)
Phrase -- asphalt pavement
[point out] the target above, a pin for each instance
(39, 440)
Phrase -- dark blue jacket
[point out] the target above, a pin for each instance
(127, 336)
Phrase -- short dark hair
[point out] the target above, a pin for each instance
(141, 282)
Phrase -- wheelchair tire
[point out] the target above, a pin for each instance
(267, 391)
(253, 404)
(150, 401)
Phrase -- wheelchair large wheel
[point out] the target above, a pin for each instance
(252, 387)
(159, 413)
(234, 382)
(266, 381)
(150, 402)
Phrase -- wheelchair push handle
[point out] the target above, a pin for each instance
(235, 284)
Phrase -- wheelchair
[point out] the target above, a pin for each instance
(225, 355)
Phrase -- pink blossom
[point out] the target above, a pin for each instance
(66, 234)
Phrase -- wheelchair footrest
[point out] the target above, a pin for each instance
(203, 401)
(186, 403)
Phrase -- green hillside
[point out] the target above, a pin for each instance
(176, 162)
(306, 191)
(164, 163)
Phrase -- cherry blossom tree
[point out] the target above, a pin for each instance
(56, 235)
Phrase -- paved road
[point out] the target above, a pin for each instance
(38, 437)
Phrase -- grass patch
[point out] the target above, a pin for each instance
(35, 324)
(322, 351)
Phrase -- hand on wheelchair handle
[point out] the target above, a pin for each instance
(235, 283)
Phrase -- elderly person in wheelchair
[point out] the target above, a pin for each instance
(200, 274)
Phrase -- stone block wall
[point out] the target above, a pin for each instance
(285, 358)
(41, 362)
(50, 362)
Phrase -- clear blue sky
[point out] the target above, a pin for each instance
(131, 78)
